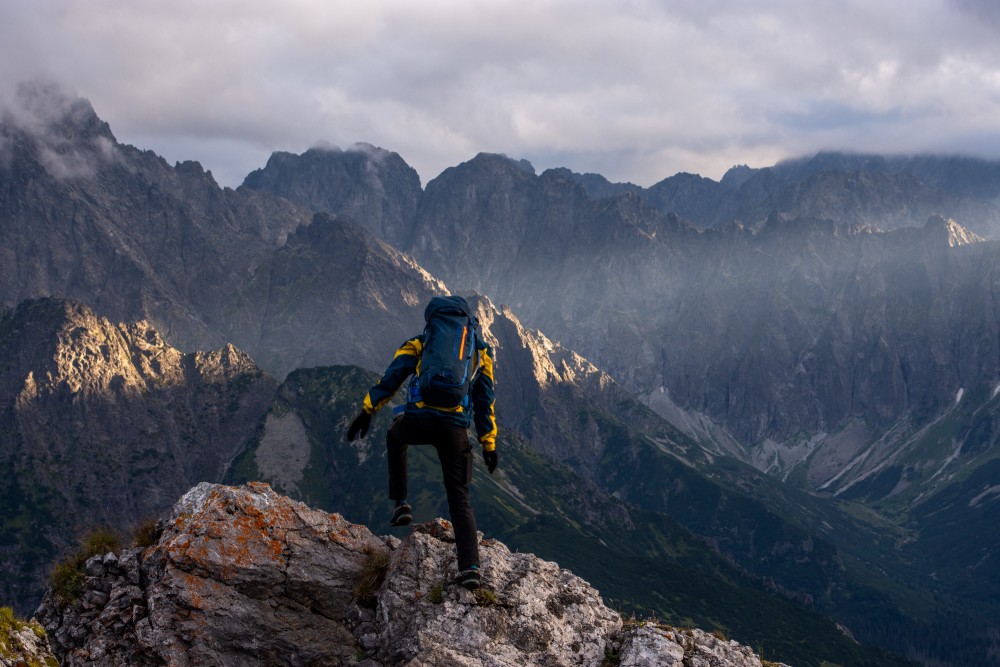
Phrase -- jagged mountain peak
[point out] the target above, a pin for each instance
(43, 107)
(370, 185)
(503, 158)
(64, 344)
(59, 343)
(737, 175)
(956, 234)
(596, 185)
(549, 362)
(63, 131)
(493, 163)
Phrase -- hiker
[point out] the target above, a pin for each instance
(452, 369)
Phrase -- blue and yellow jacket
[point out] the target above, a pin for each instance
(406, 362)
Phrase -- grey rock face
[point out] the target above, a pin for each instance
(529, 611)
(370, 185)
(105, 424)
(244, 576)
(335, 293)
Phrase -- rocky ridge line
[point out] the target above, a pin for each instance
(245, 576)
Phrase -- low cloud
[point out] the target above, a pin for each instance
(50, 117)
(636, 91)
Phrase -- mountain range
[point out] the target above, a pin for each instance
(783, 382)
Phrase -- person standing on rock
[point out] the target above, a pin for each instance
(452, 380)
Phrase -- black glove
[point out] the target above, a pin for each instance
(490, 457)
(360, 424)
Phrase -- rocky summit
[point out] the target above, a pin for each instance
(245, 576)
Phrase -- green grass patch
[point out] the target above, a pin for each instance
(10, 652)
(67, 578)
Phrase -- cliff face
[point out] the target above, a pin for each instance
(371, 185)
(104, 424)
(334, 293)
(244, 576)
(87, 218)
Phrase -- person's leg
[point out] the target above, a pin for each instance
(395, 442)
(455, 454)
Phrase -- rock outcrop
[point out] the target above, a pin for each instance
(245, 576)
(23, 644)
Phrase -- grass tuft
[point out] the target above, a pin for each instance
(99, 542)
(66, 580)
(612, 658)
(146, 533)
(485, 597)
(371, 577)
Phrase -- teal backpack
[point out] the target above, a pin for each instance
(449, 360)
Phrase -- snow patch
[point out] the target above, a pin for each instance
(993, 490)
(954, 455)
(853, 463)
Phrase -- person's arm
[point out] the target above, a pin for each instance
(402, 366)
(404, 363)
(483, 399)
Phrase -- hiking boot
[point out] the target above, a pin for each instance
(402, 515)
(469, 578)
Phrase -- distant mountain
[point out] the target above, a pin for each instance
(331, 293)
(370, 185)
(86, 218)
(877, 191)
(103, 424)
(880, 192)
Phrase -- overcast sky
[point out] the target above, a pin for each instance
(635, 90)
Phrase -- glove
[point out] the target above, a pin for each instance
(491, 460)
(359, 425)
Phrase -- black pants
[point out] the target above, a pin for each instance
(455, 453)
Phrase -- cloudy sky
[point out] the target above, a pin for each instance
(636, 90)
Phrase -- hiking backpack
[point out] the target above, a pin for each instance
(449, 360)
